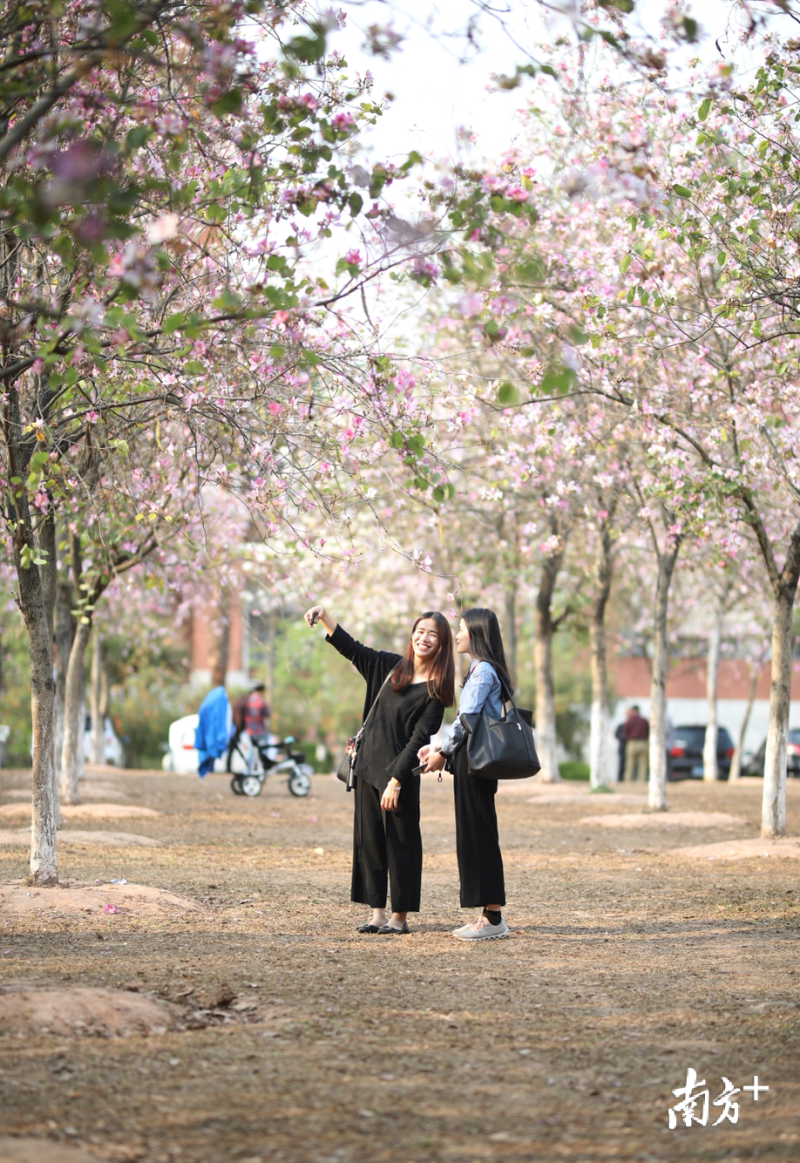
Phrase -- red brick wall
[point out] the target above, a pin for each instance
(630, 679)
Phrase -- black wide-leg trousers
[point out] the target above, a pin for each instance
(387, 848)
(480, 861)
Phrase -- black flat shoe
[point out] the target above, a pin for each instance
(393, 929)
(369, 928)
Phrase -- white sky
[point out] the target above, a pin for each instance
(437, 92)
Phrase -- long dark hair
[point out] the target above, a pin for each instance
(486, 644)
(442, 670)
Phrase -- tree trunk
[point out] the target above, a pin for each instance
(48, 572)
(510, 638)
(602, 760)
(43, 865)
(72, 752)
(543, 663)
(736, 761)
(64, 635)
(657, 789)
(773, 806)
(95, 701)
(222, 630)
(710, 767)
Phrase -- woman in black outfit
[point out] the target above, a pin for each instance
(387, 845)
(480, 861)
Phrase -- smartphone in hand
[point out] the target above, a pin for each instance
(418, 770)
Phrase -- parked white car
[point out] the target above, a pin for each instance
(181, 754)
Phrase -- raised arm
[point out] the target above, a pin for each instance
(318, 614)
(373, 665)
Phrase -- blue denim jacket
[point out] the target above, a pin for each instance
(481, 692)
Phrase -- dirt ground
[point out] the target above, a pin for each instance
(220, 1006)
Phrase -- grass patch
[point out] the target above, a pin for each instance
(573, 769)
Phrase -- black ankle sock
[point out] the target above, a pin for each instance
(493, 918)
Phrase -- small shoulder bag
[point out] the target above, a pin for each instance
(347, 766)
(501, 748)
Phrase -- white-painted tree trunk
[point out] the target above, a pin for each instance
(48, 572)
(657, 787)
(602, 751)
(773, 805)
(72, 761)
(710, 765)
(96, 709)
(64, 629)
(736, 761)
(546, 742)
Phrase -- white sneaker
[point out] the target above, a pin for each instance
(481, 930)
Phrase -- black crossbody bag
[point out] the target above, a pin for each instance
(347, 766)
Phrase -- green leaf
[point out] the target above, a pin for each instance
(193, 367)
(722, 258)
(136, 137)
(227, 301)
(681, 191)
(396, 440)
(438, 494)
(308, 48)
(355, 202)
(507, 394)
(577, 336)
(557, 381)
(624, 263)
(175, 322)
(230, 102)
(704, 110)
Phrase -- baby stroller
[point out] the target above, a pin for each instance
(250, 760)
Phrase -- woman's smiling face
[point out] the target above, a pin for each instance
(425, 640)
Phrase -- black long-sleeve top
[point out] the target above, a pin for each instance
(401, 723)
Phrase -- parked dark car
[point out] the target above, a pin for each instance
(686, 755)
(755, 764)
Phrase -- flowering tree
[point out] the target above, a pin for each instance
(667, 289)
(163, 180)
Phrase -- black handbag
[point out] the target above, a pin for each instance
(501, 748)
(347, 766)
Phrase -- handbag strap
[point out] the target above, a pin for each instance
(360, 733)
(378, 695)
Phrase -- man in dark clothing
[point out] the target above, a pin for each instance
(618, 735)
(635, 732)
(256, 712)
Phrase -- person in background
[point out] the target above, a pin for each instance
(214, 725)
(635, 732)
(619, 735)
(256, 712)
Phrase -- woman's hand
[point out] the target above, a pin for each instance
(318, 614)
(434, 761)
(424, 752)
(391, 796)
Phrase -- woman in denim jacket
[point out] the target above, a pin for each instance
(480, 862)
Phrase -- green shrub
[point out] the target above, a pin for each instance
(573, 769)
